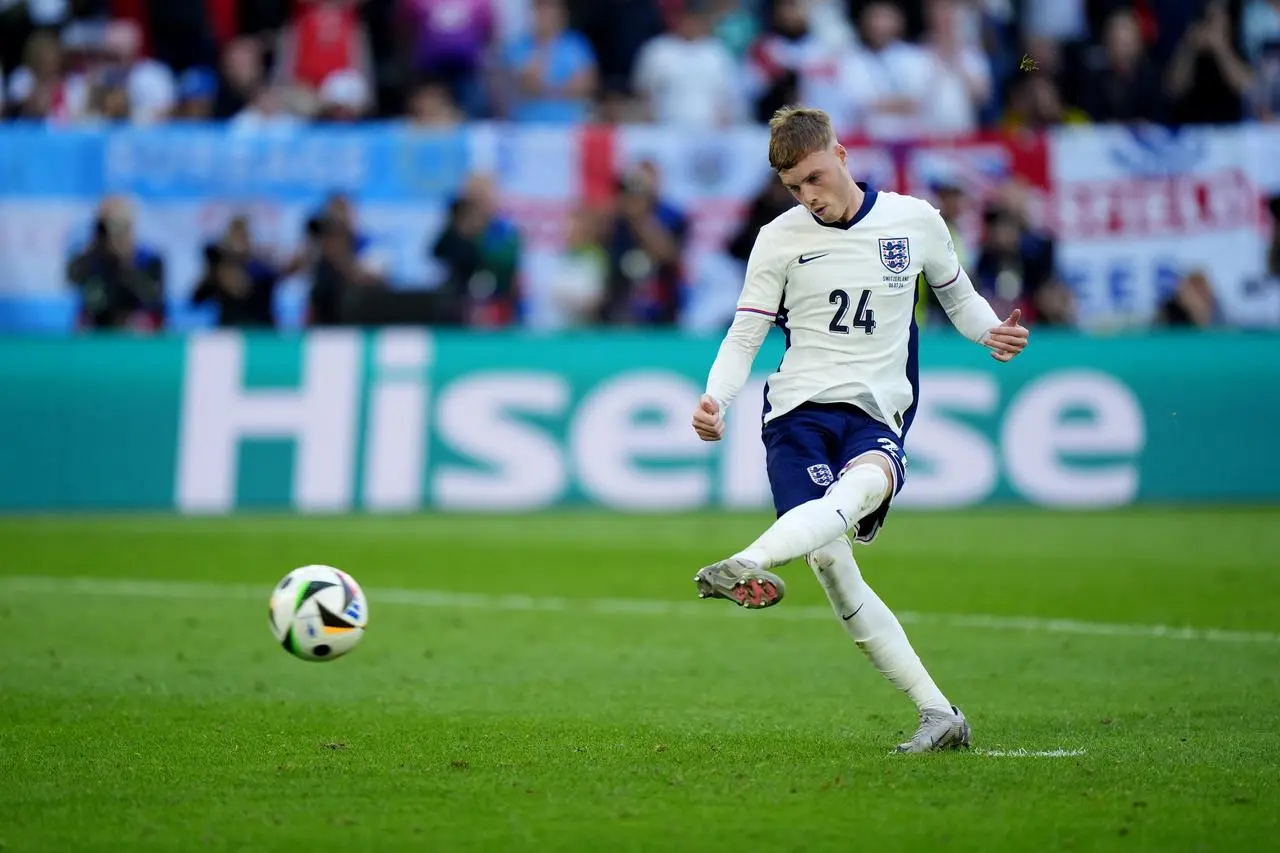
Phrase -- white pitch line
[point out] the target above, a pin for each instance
(1023, 753)
(439, 599)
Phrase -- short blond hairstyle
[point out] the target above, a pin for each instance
(797, 132)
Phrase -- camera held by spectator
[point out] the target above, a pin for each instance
(481, 252)
(241, 285)
(121, 283)
(645, 253)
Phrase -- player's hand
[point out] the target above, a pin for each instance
(1008, 339)
(707, 420)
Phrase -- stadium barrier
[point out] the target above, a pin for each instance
(404, 419)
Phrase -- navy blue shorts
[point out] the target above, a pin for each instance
(809, 448)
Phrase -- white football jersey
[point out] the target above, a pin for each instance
(844, 295)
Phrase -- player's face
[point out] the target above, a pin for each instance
(821, 183)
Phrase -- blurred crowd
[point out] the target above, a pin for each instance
(884, 69)
(620, 265)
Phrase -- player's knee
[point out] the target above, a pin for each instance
(875, 459)
(862, 489)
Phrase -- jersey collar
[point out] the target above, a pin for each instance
(868, 200)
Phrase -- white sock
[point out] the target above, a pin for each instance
(817, 522)
(872, 625)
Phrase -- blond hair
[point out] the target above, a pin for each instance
(797, 132)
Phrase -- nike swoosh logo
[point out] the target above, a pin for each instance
(854, 613)
(804, 260)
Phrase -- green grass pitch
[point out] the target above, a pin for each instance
(553, 685)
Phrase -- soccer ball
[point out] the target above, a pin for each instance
(318, 613)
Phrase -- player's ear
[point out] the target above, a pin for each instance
(842, 153)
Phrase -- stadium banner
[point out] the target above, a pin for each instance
(404, 419)
(1137, 209)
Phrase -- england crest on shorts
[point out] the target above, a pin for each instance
(821, 475)
(895, 253)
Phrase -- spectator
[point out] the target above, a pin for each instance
(109, 99)
(1263, 292)
(1259, 26)
(431, 106)
(792, 64)
(197, 94)
(344, 97)
(120, 282)
(243, 71)
(1058, 21)
(952, 203)
(830, 20)
(1016, 266)
(772, 201)
(447, 40)
(553, 70)
(1191, 303)
(261, 21)
(389, 78)
(267, 113)
(40, 88)
(688, 78)
(179, 34)
(960, 75)
(512, 20)
(1034, 104)
(1264, 96)
(240, 285)
(337, 259)
(1207, 80)
(616, 106)
(885, 81)
(324, 38)
(736, 25)
(481, 252)
(952, 207)
(339, 208)
(645, 251)
(1273, 251)
(617, 30)
(149, 85)
(1121, 84)
(580, 273)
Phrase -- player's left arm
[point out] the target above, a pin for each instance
(972, 315)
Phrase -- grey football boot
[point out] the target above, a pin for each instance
(939, 730)
(742, 582)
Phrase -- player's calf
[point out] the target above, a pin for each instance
(740, 581)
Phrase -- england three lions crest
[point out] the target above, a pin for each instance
(895, 253)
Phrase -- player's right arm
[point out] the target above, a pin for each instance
(758, 307)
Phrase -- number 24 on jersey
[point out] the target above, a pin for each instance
(863, 317)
